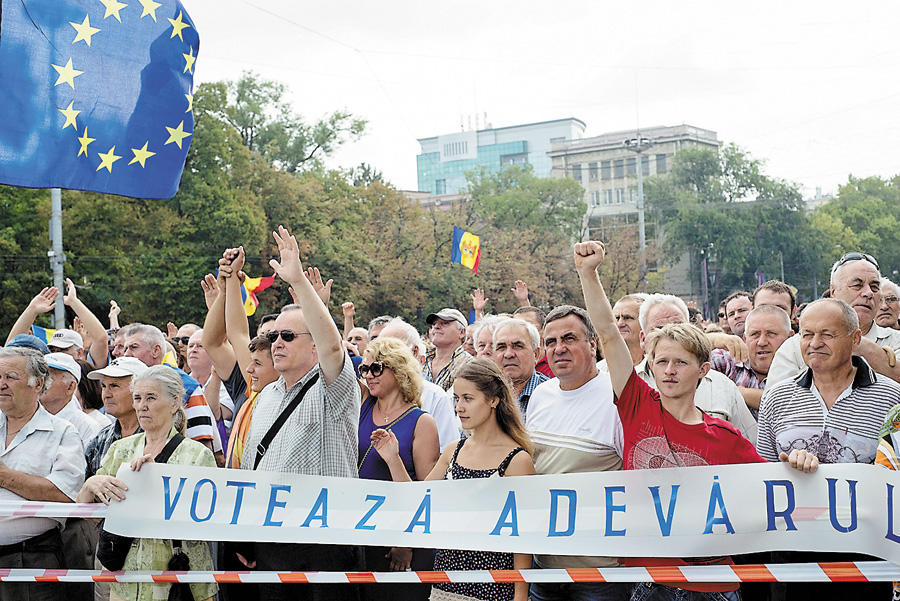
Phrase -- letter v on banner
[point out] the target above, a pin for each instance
(465, 249)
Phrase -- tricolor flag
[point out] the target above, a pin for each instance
(44, 334)
(465, 249)
(250, 286)
(96, 95)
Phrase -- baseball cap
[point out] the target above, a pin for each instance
(66, 339)
(64, 362)
(29, 341)
(120, 368)
(447, 314)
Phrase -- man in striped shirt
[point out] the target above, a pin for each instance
(832, 413)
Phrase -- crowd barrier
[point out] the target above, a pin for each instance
(862, 571)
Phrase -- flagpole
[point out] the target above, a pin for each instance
(56, 256)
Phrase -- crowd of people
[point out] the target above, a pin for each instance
(643, 383)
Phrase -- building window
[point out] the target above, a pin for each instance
(619, 165)
(620, 196)
(607, 197)
(605, 170)
(576, 173)
(595, 199)
(645, 165)
(592, 171)
(440, 186)
(630, 166)
(632, 195)
(660, 163)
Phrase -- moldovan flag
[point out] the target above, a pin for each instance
(96, 95)
(250, 286)
(466, 249)
(44, 334)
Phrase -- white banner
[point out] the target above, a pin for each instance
(686, 512)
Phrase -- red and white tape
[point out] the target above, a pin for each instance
(861, 571)
(40, 509)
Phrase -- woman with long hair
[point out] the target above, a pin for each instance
(498, 445)
(394, 379)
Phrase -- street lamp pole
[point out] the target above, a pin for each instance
(638, 145)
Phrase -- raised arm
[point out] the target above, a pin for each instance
(215, 341)
(478, 303)
(324, 332)
(520, 291)
(99, 351)
(588, 256)
(114, 311)
(349, 312)
(42, 303)
(236, 324)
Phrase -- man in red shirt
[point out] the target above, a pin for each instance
(662, 429)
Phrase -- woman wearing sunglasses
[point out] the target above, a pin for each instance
(498, 446)
(394, 379)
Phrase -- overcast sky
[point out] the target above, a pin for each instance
(811, 88)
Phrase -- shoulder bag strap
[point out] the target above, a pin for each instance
(263, 445)
(170, 447)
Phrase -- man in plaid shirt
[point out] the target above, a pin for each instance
(766, 328)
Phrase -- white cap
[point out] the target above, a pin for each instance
(120, 368)
(65, 339)
(64, 362)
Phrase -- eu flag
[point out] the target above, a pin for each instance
(96, 95)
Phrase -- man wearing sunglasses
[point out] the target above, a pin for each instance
(856, 280)
(320, 435)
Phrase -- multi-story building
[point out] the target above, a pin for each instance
(445, 159)
(606, 167)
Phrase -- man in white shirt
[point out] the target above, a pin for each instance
(41, 459)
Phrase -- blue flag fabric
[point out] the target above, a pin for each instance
(96, 95)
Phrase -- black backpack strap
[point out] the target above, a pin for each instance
(263, 445)
(170, 447)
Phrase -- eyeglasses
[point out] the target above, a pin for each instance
(180, 339)
(286, 335)
(721, 316)
(376, 368)
(855, 256)
(891, 299)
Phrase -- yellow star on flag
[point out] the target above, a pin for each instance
(112, 8)
(177, 134)
(85, 31)
(85, 142)
(141, 155)
(108, 159)
(177, 26)
(149, 8)
(189, 61)
(67, 74)
(190, 99)
(70, 115)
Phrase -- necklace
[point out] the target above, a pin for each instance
(384, 415)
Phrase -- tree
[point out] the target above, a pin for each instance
(864, 216)
(267, 124)
(722, 203)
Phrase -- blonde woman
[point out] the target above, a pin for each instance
(498, 446)
(394, 379)
(157, 397)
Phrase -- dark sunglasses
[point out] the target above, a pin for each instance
(376, 368)
(286, 335)
(180, 339)
(855, 256)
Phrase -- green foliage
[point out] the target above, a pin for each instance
(266, 123)
(864, 216)
(722, 204)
